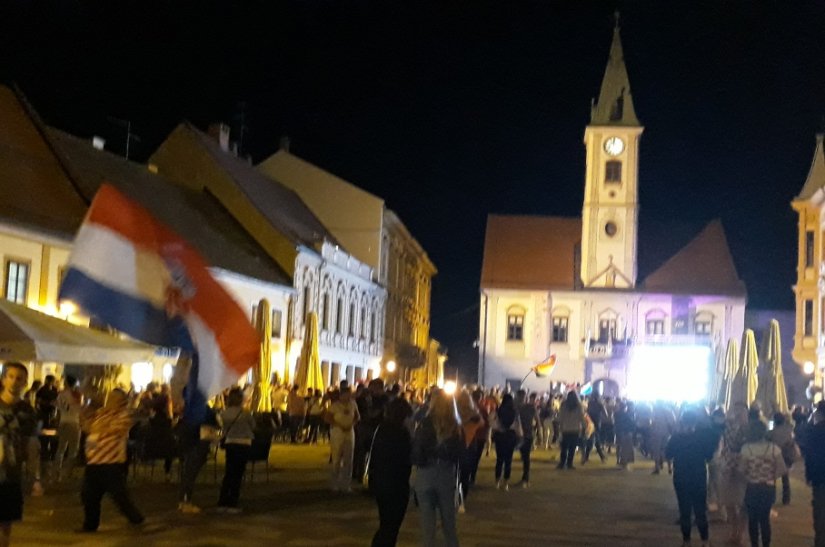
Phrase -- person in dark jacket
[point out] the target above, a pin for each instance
(389, 471)
(815, 472)
(690, 451)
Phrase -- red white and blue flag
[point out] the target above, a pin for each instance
(131, 272)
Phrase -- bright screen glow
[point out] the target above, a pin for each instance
(668, 373)
(141, 375)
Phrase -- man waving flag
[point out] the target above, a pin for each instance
(131, 272)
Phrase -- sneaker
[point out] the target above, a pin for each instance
(37, 488)
(655, 472)
(499, 484)
(560, 466)
(571, 467)
(506, 487)
(525, 484)
(461, 509)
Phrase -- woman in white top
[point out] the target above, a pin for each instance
(238, 432)
(761, 463)
(342, 416)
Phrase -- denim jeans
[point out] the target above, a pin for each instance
(435, 491)
(758, 500)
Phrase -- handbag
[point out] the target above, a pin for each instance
(222, 442)
(365, 479)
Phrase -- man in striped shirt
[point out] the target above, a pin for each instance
(107, 432)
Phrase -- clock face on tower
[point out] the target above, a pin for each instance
(614, 146)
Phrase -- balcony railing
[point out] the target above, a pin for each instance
(618, 348)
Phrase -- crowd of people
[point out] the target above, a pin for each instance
(725, 463)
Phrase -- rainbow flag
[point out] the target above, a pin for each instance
(545, 368)
(131, 272)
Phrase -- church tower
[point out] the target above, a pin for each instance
(610, 212)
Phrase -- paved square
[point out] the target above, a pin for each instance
(594, 505)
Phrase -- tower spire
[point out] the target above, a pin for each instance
(615, 104)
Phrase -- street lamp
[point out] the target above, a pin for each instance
(808, 368)
(449, 387)
(390, 366)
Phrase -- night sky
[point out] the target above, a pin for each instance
(454, 110)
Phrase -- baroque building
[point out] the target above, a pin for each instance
(375, 235)
(809, 290)
(593, 290)
(327, 279)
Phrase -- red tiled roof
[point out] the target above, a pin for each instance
(703, 266)
(530, 252)
(35, 191)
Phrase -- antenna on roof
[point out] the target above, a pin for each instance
(127, 125)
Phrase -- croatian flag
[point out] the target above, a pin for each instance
(131, 272)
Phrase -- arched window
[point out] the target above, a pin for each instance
(339, 316)
(515, 324)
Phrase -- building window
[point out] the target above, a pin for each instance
(17, 281)
(276, 323)
(352, 320)
(607, 329)
(560, 329)
(372, 327)
(515, 327)
(655, 326)
(613, 172)
(702, 327)
(325, 313)
(809, 248)
(306, 305)
(363, 323)
(808, 319)
(339, 316)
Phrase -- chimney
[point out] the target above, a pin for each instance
(220, 132)
(284, 143)
(99, 143)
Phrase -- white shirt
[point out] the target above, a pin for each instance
(69, 404)
(344, 415)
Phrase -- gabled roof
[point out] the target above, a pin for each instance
(703, 266)
(281, 206)
(530, 252)
(195, 216)
(816, 176)
(541, 253)
(35, 191)
(615, 106)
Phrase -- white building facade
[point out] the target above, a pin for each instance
(573, 288)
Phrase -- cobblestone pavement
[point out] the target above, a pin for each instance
(594, 505)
